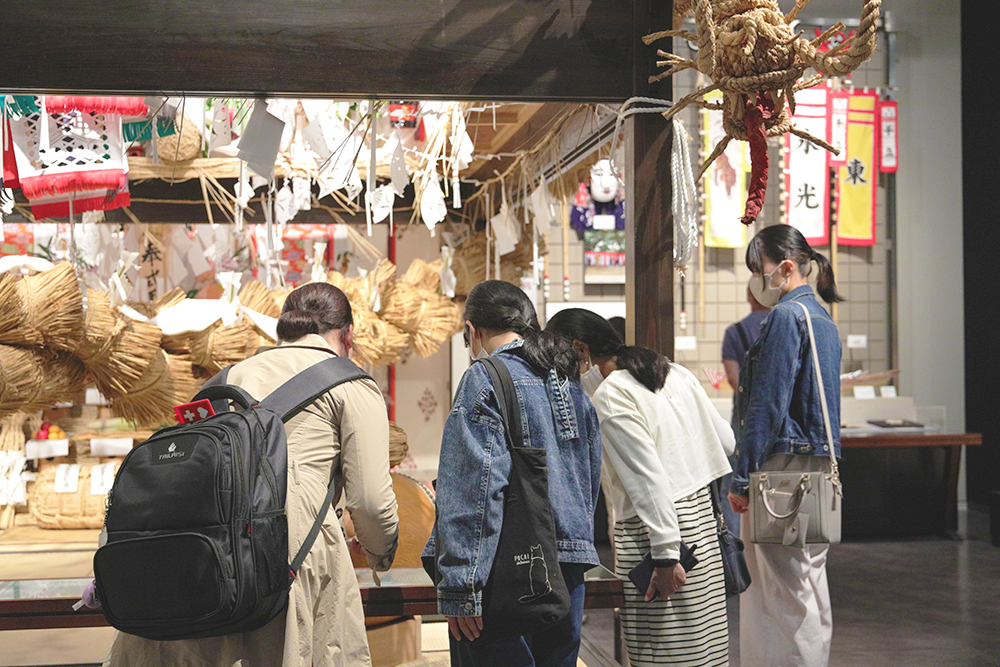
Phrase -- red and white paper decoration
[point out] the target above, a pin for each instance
(888, 137)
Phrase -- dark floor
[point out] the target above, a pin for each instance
(921, 603)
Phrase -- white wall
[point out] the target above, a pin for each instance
(930, 307)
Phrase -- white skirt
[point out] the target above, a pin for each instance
(690, 628)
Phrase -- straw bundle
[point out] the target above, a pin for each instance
(48, 310)
(12, 433)
(441, 319)
(219, 346)
(11, 312)
(256, 297)
(56, 511)
(280, 294)
(169, 381)
(115, 349)
(64, 378)
(424, 275)
(398, 447)
(395, 343)
(469, 263)
(152, 308)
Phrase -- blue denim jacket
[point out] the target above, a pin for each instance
(475, 467)
(778, 410)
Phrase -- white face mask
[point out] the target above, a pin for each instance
(591, 380)
(767, 294)
(483, 354)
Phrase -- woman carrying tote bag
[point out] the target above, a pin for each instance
(788, 421)
(664, 444)
(475, 481)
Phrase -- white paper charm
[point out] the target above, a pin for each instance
(381, 202)
(505, 230)
(67, 478)
(449, 281)
(110, 446)
(46, 449)
(284, 205)
(397, 168)
(302, 190)
(433, 208)
(261, 140)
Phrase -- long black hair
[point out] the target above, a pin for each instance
(498, 306)
(780, 242)
(645, 365)
(316, 308)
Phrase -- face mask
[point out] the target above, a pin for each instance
(483, 354)
(591, 380)
(766, 294)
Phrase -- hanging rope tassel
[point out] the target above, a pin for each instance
(757, 111)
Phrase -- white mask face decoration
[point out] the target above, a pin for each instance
(603, 184)
(591, 379)
(763, 289)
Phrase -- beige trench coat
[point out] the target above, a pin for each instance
(324, 623)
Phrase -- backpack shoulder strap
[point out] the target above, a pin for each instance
(220, 379)
(297, 393)
(503, 385)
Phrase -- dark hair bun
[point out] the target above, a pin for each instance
(315, 308)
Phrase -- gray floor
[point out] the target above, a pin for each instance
(923, 603)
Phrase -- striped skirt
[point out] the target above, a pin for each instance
(690, 628)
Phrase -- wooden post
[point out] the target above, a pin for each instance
(649, 284)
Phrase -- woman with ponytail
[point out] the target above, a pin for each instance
(664, 444)
(500, 322)
(785, 616)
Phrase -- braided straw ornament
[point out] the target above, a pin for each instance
(751, 54)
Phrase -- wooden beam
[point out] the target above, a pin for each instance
(418, 49)
(649, 284)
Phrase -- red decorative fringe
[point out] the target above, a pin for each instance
(10, 179)
(757, 112)
(60, 209)
(125, 106)
(51, 185)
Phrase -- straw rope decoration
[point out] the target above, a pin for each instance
(258, 298)
(12, 433)
(168, 381)
(64, 378)
(20, 381)
(46, 310)
(754, 58)
(152, 308)
(219, 346)
(420, 311)
(280, 294)
(115, 349)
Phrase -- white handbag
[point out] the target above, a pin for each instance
(798, 508)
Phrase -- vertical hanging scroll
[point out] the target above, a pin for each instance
(857, 180)
(807, 180)
(888, 139)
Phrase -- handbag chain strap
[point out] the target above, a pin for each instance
(822, 397)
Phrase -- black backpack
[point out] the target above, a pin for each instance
(197, 537)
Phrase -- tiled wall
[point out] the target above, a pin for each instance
(862, 273)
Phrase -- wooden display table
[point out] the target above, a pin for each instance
(901, 481)
(48, 603)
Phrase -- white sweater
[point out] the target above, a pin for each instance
(658, 448)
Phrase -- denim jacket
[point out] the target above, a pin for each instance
(475, 467)
(778, 410)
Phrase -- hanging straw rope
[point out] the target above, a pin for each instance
(754, 58)
(257, 298)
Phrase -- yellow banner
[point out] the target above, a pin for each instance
(725, 183)
(858, 179)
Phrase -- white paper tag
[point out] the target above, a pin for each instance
(604, 223)
(888, 391)
(686, 343)
(67, 478)
(864, 392)
(261, 140)
(101, 478)
(110, 446)
(44, 449)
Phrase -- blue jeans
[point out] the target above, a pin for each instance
(557, 646)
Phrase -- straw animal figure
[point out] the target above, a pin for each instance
(45, 309)
(751, 54)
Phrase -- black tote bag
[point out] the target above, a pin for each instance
(525, 592)
(734, 563)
